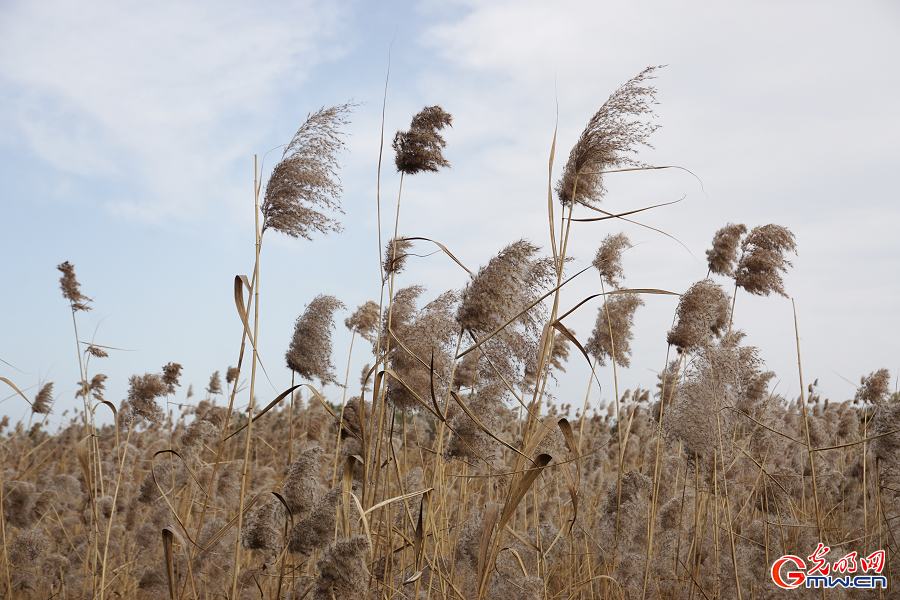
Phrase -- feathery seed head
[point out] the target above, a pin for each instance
(609, 259)
(724, 252)
(395, 253)
(608, 140)
(231, 374)
(762, 257)
(43, 400)
(309, 354)
(620, 309)
(364, 321)
(170, 374)
(421, 148)
(507, 284)
(142, 393)
(703, 309)
(874, 388)
(95, 387)
(96, 351)
(70, 287)
(215, 384)
(306, 178)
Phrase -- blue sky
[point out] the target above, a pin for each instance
(127, 135)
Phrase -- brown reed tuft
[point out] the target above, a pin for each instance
(421, 148)
(95, 387)
(620, 309)
(702, 311)
(395, 254)
(306, 178)
(613, 133)
(43, 400)
(215, 384)
(507, 284)
(364, 321)
(142, 393)
(170, 374)
(309, 354)
(608, 260)
(762, 257)
(724, 252)
(874, 388)
(231, 374)
(342, 570)
(299, 487)
(70, 287)
(96, 351)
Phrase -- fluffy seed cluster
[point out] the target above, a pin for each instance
(395, 253)
(95, 387)
(142, 394)
(70, 287)
(703, 311)
(724, 252)
(306, 181)
(612, 135)
(762, 260)
(608, 260)
(43, 399)
(364, 321)
(309, 354)
(421, 148)
(612, 333)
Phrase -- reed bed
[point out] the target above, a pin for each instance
(447, 471)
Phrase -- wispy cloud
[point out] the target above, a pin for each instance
(163, 94)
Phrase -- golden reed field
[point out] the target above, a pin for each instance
(448, 471)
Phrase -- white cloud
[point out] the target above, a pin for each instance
(168, 92)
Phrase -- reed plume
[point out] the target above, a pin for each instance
(724, 252)
(364, 321)
(170, 374)
(231, 374)
(306, 178)
(610, 138)
(95, 387)
(874, 388)
(429, 336)
(96, 351)
(395, 254)
(762, 257)
(421, 148)
(43, 400)
(71, 288)
(215, 384)
(702, 311)
(617, 315)
(142, 393)
(608, 260)
(309, 354)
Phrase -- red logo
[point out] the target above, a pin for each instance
(796, 578)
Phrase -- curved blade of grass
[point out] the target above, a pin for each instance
(82, 453)
(550, 193)
(444, 248)
(521, 488)
(168, 537)
(392, 373)
(215, 538)
(18, 391)
(614, 292)
(491, 513)
(483, 427)
(520, 313)
(269, 407)
(630, 212)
